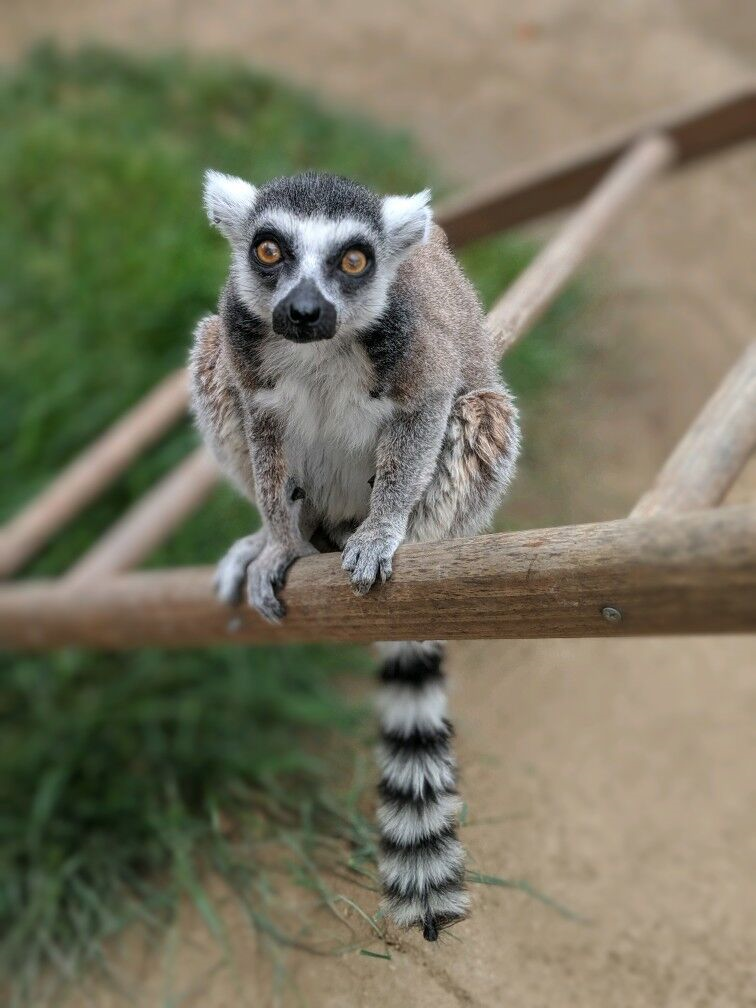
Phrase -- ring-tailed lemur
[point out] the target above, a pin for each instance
(349, 387)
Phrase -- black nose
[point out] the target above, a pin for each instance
(304, 310)
(305, 314)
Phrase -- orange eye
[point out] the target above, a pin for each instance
(268, 253)
(354, 262)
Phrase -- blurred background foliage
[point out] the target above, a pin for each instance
(115, 770)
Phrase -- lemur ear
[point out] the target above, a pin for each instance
(228, 202)
(407, 220)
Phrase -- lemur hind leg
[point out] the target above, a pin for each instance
(421, 861)
(474, 468)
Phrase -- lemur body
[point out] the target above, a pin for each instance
(349, 387)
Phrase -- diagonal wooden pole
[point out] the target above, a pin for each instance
(711, 455)
(524, 194)
(92, 472)
(540, 283)
(150, 521)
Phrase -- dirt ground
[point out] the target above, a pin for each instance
(618, 776)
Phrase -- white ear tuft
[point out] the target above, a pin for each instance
(407, 220)
(228, 201)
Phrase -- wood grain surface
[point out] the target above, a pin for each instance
(679, 574)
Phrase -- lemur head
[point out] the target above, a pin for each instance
(315, 254)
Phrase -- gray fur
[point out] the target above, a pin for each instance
(390, 425)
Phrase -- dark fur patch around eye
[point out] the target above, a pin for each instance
(349, 283)
(269, 275)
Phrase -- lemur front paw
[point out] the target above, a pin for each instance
(262, 564)
(267, 573)
(367, 556)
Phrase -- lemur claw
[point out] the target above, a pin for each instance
(262, 582)
(368, 557)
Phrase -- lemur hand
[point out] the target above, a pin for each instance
(267, 574)
(263, 562)
(368, 554)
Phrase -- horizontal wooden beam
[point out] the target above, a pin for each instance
(92, 472)
(150, 521)
(523, 195)
(711, 455)
(537, 286)
(693, 573)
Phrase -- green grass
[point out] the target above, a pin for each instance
(117, 771)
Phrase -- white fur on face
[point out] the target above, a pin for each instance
(314, 240)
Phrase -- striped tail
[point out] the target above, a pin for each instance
(422, 861)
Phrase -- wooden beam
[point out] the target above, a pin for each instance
(708, 459)
(92, 472)
(692, 573)
(150, 521)
(537, 286)
(525, 194)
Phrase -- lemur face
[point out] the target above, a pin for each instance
(315, 254)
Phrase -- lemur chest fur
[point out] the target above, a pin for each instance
(324, 395)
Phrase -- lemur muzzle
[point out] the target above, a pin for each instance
(305, 315)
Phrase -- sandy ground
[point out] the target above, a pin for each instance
(617, 776)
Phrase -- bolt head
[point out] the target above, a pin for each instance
(611, 614)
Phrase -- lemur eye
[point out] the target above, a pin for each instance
(268, 253)
(354, 262)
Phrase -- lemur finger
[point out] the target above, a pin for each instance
(385, 568)
(361, 586)
(365, 573)
(261, 593)
(350, 557)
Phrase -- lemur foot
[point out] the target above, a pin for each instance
(231, 572)
(367, 556)
(267, 573)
